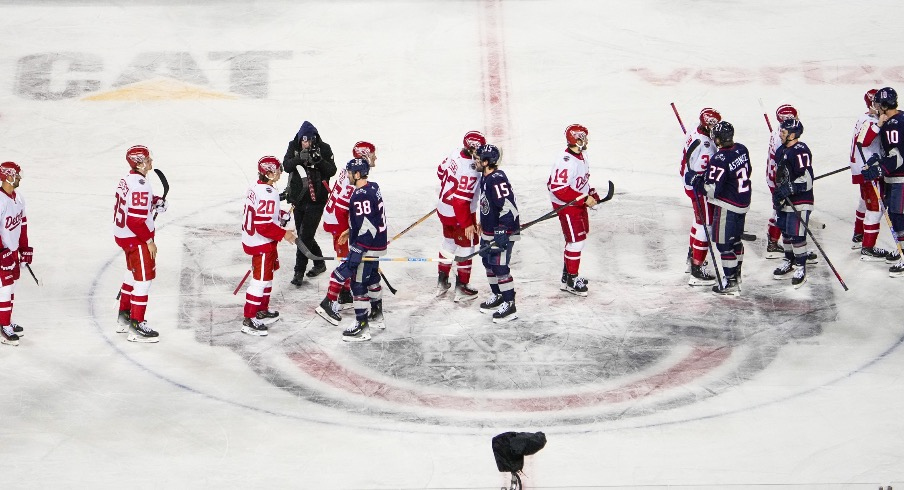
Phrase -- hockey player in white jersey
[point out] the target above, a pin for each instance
(698, 149)
(133, 230)
(261, 232)
(14, 249)
(868, 214)
(571, 195)
(457, 211)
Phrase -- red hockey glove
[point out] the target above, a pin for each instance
(7, 260)
(159, 204)
(25, 254)
(594, 194)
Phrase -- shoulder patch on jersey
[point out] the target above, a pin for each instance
(141, 181)
(706, 144)
(270, 190)
(567, 157)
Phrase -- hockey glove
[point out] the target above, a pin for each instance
(595, 195)
(873, 169)
(781, 192)
(284, 217)
(501, 239)
(698, 182)
(7, 260)
(160, 204)
(355, 255)
(26, 254)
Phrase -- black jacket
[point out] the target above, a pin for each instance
(308, 173)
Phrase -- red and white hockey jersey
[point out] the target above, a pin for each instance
(870, 143)
(14, 233)
(698, 160)
(335, 215)
(775, 142)
(260, 224)
(569, 178)
(133, 220)
(459, 184)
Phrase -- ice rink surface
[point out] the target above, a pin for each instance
(646, 383)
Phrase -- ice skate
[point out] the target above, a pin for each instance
(141, 332)
(783, 271)
(800, 276)
(491, 304)
(375, 318)
(731, 288)
(774, 250)
(253, 326)
(18, 330)
(812, 257)
(505, 313)
(856, 241)
(346, 300)
(8, 336)
(267, 317)
(463, 292)
(896, 270)
(329, 311)
(124, 319)
(893, 257)
(575, 285)
(874, 254)
(700, 277)
(357, 332)
(442, 283)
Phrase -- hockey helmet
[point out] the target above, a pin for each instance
(574, 133)
(489, 154)
(473, 140)
(785, 111)
(886, 98)
(709, 117)
(362, 149)
(267, 164)
(722, 133)
(793, 127)
(868, 97)
(137, 155)
(9, 170)
(359, 165)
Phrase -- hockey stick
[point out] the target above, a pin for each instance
(610, 192)
(388, 286)
(165, 185)
(412, 225)
(749, 237)
(709, 242)
(307, 253)
(241, 282)
(28, 266)
(882, 207)
(818, 246)
(833, 172)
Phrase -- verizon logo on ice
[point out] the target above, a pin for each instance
(150, 75)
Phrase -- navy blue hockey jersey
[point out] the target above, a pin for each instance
(892, 136)
(728, 178)
(367, 219)
(498, 209)
(796, 162)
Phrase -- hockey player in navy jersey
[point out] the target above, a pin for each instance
(793, 186)
(888, 164)
(366, 238)
(499, 224)
(727, 185)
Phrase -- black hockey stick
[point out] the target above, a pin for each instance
(709, 242)
(833, 172)
(818, 246)
(388, 286)
(554, 212)
(165, 185)
(28, 266)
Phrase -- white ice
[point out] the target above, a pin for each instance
(646, 383)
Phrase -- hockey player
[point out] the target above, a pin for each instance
(568, 184)
(782, 113)
(889, 163)
(14, 249)
(698, 149)
(868, 214)
(499, 224)
(456, 208)
(261, 232)
(793, 185)
(366, 238)
(727, 185)
(133, 229)
(335, 218)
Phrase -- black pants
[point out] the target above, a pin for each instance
(307, 219)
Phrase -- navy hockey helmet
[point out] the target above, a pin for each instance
(358, 165)
(793, 126)
(723, 133)
(490, 154)
(886, 98)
